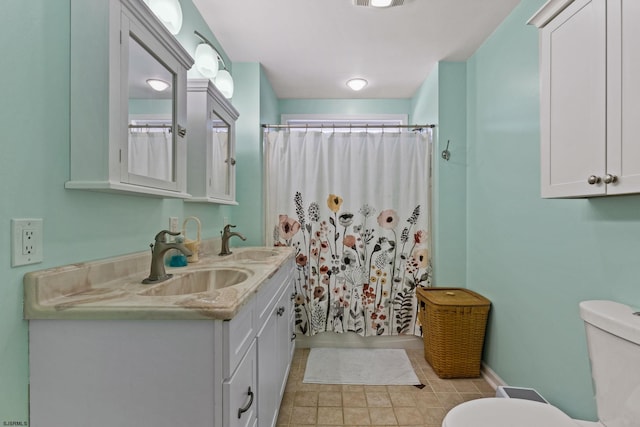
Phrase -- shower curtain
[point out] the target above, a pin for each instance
(355, 206)
(150, 154)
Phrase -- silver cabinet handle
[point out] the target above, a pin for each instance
(593, 180)
(182, 131)
(280, 311)
(231, 161)
(293, 337)
(248, 405)
(610, 179)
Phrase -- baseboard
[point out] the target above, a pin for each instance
(491, 377)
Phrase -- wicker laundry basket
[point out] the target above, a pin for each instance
(453, 327)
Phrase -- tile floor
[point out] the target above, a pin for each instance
(356, 405)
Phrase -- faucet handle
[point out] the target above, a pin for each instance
(226, 227)
(161, 236)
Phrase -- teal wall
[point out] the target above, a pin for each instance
(78, 225)
(536, 259)
(441, 100)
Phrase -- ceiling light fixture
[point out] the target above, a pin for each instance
(168, 12)
(206, 62)
(357, 84)
(158, 85)
(378, 3)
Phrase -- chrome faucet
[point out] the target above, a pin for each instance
(161, 246)
(226, 235)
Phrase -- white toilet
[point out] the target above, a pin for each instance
(613, 339)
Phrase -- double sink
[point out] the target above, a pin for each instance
(213, 288)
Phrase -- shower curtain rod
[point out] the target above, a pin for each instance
(342, 126)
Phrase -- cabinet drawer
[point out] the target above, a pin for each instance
(270, 290)
(240, 393)
(238, 334)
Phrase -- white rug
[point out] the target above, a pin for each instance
(359, 366)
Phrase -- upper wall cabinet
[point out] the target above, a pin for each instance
(590, 97)
(128, 101)
(211, 159)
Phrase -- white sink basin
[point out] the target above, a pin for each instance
(198, 281)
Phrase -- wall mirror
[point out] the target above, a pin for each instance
(151, 136)
(211, 151)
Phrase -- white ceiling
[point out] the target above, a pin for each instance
(310, 48)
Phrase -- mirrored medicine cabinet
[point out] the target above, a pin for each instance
(128, 101)
(211, 122)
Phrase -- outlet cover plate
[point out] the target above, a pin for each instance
(26, 241)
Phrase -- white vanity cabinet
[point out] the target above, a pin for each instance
(125, 136)
(163, 373)
(590, 97)
(275, 350)
(211, 161)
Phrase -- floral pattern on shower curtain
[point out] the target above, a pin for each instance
(361, 252)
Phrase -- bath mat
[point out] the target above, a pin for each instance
(359, 366)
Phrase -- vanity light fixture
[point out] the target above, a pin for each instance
(357, 84)
(207, 63)
(158, 85)
(168, 12)
(381, 3)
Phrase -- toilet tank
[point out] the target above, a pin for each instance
(613, 340)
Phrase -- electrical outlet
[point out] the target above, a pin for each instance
(173, 224)
(26, 241)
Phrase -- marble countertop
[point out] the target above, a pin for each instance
(112, 288)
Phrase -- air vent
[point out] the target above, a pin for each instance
(368, 3)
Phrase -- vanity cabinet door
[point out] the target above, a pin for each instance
(239, 393)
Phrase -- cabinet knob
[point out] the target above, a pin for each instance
(280, 311)
(593, 180)
(610, 179)
(231, 161)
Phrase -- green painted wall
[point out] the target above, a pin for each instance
(441, 100)
(345, 106)
(78, 225)
(534, 258)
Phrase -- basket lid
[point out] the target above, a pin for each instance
(452, 296)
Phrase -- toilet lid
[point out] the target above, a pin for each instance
(502, 412)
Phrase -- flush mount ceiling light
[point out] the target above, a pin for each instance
(378, 3)
(158, 85)
(357, 84)
(168, 12)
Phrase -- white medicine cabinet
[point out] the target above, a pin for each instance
(590, 97)
(126, 135)
(211, 161)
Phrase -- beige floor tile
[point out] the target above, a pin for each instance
(465, 386)
(408, 416)
(352, 387)
(330, 416)
(378, 399)
(402, 399)
(306, 398)
(382, 416)
(330, 398)
(434, 416)
(304, 415)
(351, 399)
(356, 416)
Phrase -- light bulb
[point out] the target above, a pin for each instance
(158, 85)
(357, 84)
(224, 83)
(206, 59)
(169, 12)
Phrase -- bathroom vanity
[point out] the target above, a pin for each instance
(193, 350)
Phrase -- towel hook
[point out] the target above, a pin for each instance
(446, 154)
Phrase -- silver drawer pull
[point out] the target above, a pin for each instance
(293, 337)
(248, 405)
